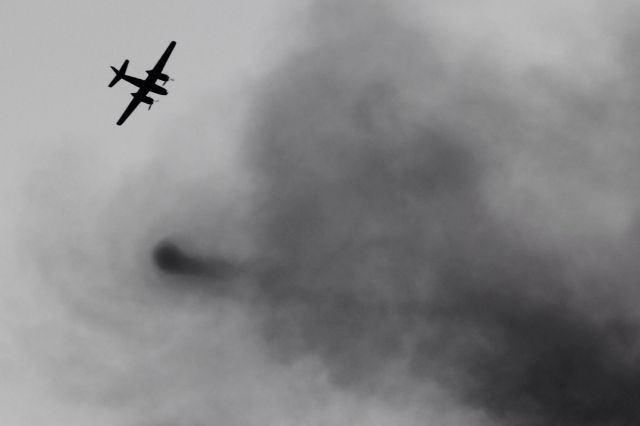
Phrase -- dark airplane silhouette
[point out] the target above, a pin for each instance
(144, 86)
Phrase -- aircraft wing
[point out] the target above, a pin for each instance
(127, 112)
(163, 59)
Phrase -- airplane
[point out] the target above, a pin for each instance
(144, 85)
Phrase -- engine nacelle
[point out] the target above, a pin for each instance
(161, 76)
(144, 99)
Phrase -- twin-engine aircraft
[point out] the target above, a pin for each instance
(144, 86)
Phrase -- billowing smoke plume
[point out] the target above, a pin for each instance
(413, 219)
(399, 241)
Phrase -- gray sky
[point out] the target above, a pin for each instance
(56, 59)
(53, 79)
(422, 181)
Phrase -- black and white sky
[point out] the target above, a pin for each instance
(345, 212)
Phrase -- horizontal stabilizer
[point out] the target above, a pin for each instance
(119, 73)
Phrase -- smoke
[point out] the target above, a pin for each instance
(383, 179)
(381, 182)
(418, 218)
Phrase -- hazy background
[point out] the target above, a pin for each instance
(62, 151)
(429, 209)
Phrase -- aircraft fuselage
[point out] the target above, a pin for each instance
(145, 86)
(148, 83)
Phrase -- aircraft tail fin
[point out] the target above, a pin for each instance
(119, 73)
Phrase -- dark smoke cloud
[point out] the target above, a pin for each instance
(410, 214)
(428, 216)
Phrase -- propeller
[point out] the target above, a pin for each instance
(153, 101)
